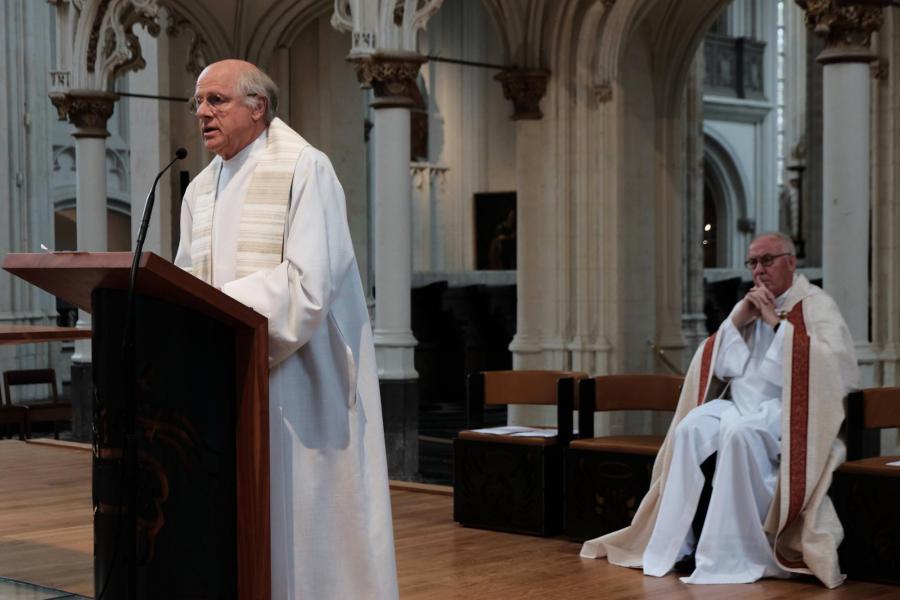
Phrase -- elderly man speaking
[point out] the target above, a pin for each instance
(266, 222)
(765, 393)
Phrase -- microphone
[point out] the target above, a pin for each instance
(148, 204)
(139, 247)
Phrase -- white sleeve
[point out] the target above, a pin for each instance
(733, 354)
(296, 295)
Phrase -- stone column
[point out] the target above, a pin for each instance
(151, 146)
(88, 111)
(391, 76)
(846, 161)
(526, 88)
(693, 319)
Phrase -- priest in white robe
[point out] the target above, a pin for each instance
(785, 359)
(266, 223)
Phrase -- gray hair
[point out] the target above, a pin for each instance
(787, 244)
(254, 84)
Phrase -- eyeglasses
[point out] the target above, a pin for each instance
(765, 260)
(216, 102)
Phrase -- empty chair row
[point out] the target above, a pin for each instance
(542, 480)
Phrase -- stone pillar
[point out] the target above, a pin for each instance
(88, 111)
(693, 319)
(526, 88)
(846, 161)
(152, 147)
(391, 76)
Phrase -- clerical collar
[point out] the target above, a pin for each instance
(236, 163)
(779, 301)
(238, 160)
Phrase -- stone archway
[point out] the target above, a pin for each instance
(724, 178)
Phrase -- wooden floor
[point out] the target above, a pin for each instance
(45, 538)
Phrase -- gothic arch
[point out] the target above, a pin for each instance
(728, 182)
(525, 29)
(104, 45)
(209, 41)
(676, 30)
(204, 25)
(282, 24)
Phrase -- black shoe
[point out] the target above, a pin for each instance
(685, 566)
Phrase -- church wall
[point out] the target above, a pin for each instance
(692, 316)
(26, 219)
(766, 176)
(747, 128)
(795, 140)
(885, 257)
(638, 233)
(469, 130)
(325, 105)
(500, 130)
(179, 127)
(151, 145)
(742, 140)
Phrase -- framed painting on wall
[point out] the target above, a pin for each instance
(495, 231)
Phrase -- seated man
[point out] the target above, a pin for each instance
(765, 392)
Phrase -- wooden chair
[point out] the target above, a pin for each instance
(866, 491)
(512, 483)
(13, 415)
(38, 411)
(606, 477)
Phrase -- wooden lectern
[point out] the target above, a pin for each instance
(181, 428)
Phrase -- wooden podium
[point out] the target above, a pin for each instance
(181, 428)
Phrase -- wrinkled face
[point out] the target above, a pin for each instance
(778, 276)
(227, 124)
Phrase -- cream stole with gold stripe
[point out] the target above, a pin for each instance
(260, 243)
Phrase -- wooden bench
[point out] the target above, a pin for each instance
(866, 491)
(606, 477)
(512, 483)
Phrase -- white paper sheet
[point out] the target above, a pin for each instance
(518, 430)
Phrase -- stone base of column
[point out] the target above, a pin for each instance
(527, 352)
(395, 359)
(400, 412)
(82, 390)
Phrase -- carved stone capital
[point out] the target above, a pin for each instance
(842, 26)
(88, 110)
(881, 69)
(525, 87)
(603, 93)
(390, 75)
